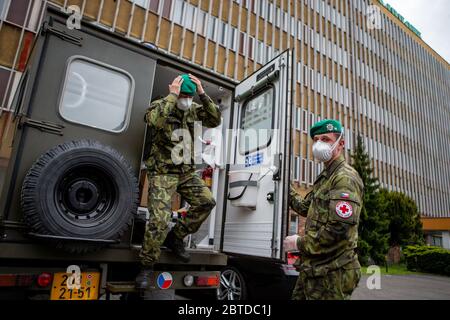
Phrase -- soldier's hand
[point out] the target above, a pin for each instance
(175, 87)
(290, 243)
(198, 83)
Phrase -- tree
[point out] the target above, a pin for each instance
(405, 227)
(373, 224)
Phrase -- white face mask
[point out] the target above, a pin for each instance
(184, 103)
(323, 151)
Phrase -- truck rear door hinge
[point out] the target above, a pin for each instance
(61, 34)
(43, 126)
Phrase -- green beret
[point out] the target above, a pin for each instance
(325, 126)
(188, 87)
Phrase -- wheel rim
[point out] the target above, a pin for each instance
(85, 195)
(230, 286)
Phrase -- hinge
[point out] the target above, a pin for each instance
(43, 126)
(61, 34)
(274, 247)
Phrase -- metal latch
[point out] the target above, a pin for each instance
(61, 34)
(41, 125)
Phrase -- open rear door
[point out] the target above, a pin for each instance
(256, 215)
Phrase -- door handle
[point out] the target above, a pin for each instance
(277, 163)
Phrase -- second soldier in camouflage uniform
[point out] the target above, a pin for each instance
(169, 171)
(328, 265)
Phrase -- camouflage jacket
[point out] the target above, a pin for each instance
(163, 118)
(332, 210)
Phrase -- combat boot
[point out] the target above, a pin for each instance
(144, 278)
(176, 245)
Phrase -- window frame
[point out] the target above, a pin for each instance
(242, 131)
(73, 58)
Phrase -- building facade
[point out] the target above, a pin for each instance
(358, 61)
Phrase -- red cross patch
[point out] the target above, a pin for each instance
(344, 209)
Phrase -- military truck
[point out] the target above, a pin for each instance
(73, 200)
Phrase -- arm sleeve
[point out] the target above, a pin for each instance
(208, 113)
(337, 231)
(157, 112)
(298, 204)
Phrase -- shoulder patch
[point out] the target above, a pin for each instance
(344, 209)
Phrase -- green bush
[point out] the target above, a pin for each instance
(427, 259)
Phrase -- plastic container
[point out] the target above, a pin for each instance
(243, 188)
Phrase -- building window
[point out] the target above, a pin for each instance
(304, 121)
(242, 43)
(86, 100)
(222, 33)
(296, 168)
(200, 25)
(298, 118)
(166, 8)
(178, 12)
(250, 47)
(17, 11)
(4, 77)
(154, 5)
(293, 225)
(436, 240)
(270, 12)
(268, 53)
(311, 171)
(278, 17)
(303, 171)
(232, 38)
(141, 3)
(285, 21)
(262, 9)
(3, 7)
(189, 17)
(260, 53)
(212, 34)
(299, 30)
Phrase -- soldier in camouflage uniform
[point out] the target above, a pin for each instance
(328, 265)
(170, 170)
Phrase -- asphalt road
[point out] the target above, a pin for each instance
(405, 287)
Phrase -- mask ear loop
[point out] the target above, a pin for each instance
(337, 141)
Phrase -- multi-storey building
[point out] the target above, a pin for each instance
(358, 61)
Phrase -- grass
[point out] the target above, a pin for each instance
(395, 269)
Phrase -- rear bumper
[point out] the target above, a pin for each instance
(27, 251)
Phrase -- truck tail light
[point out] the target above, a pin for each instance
(207, 281)
(44, 279)
(8, 280)
(15, 280)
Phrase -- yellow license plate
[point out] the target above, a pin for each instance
(63, 288)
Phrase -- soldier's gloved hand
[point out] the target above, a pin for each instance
(290, 243)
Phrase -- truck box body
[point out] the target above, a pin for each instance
(81, 107)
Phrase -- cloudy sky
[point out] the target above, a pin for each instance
(431, 18)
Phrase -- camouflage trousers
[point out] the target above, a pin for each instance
(161, 188)
(335, 285)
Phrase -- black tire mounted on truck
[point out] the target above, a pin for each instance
(80, 189)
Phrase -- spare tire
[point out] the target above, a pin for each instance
(80, 189)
